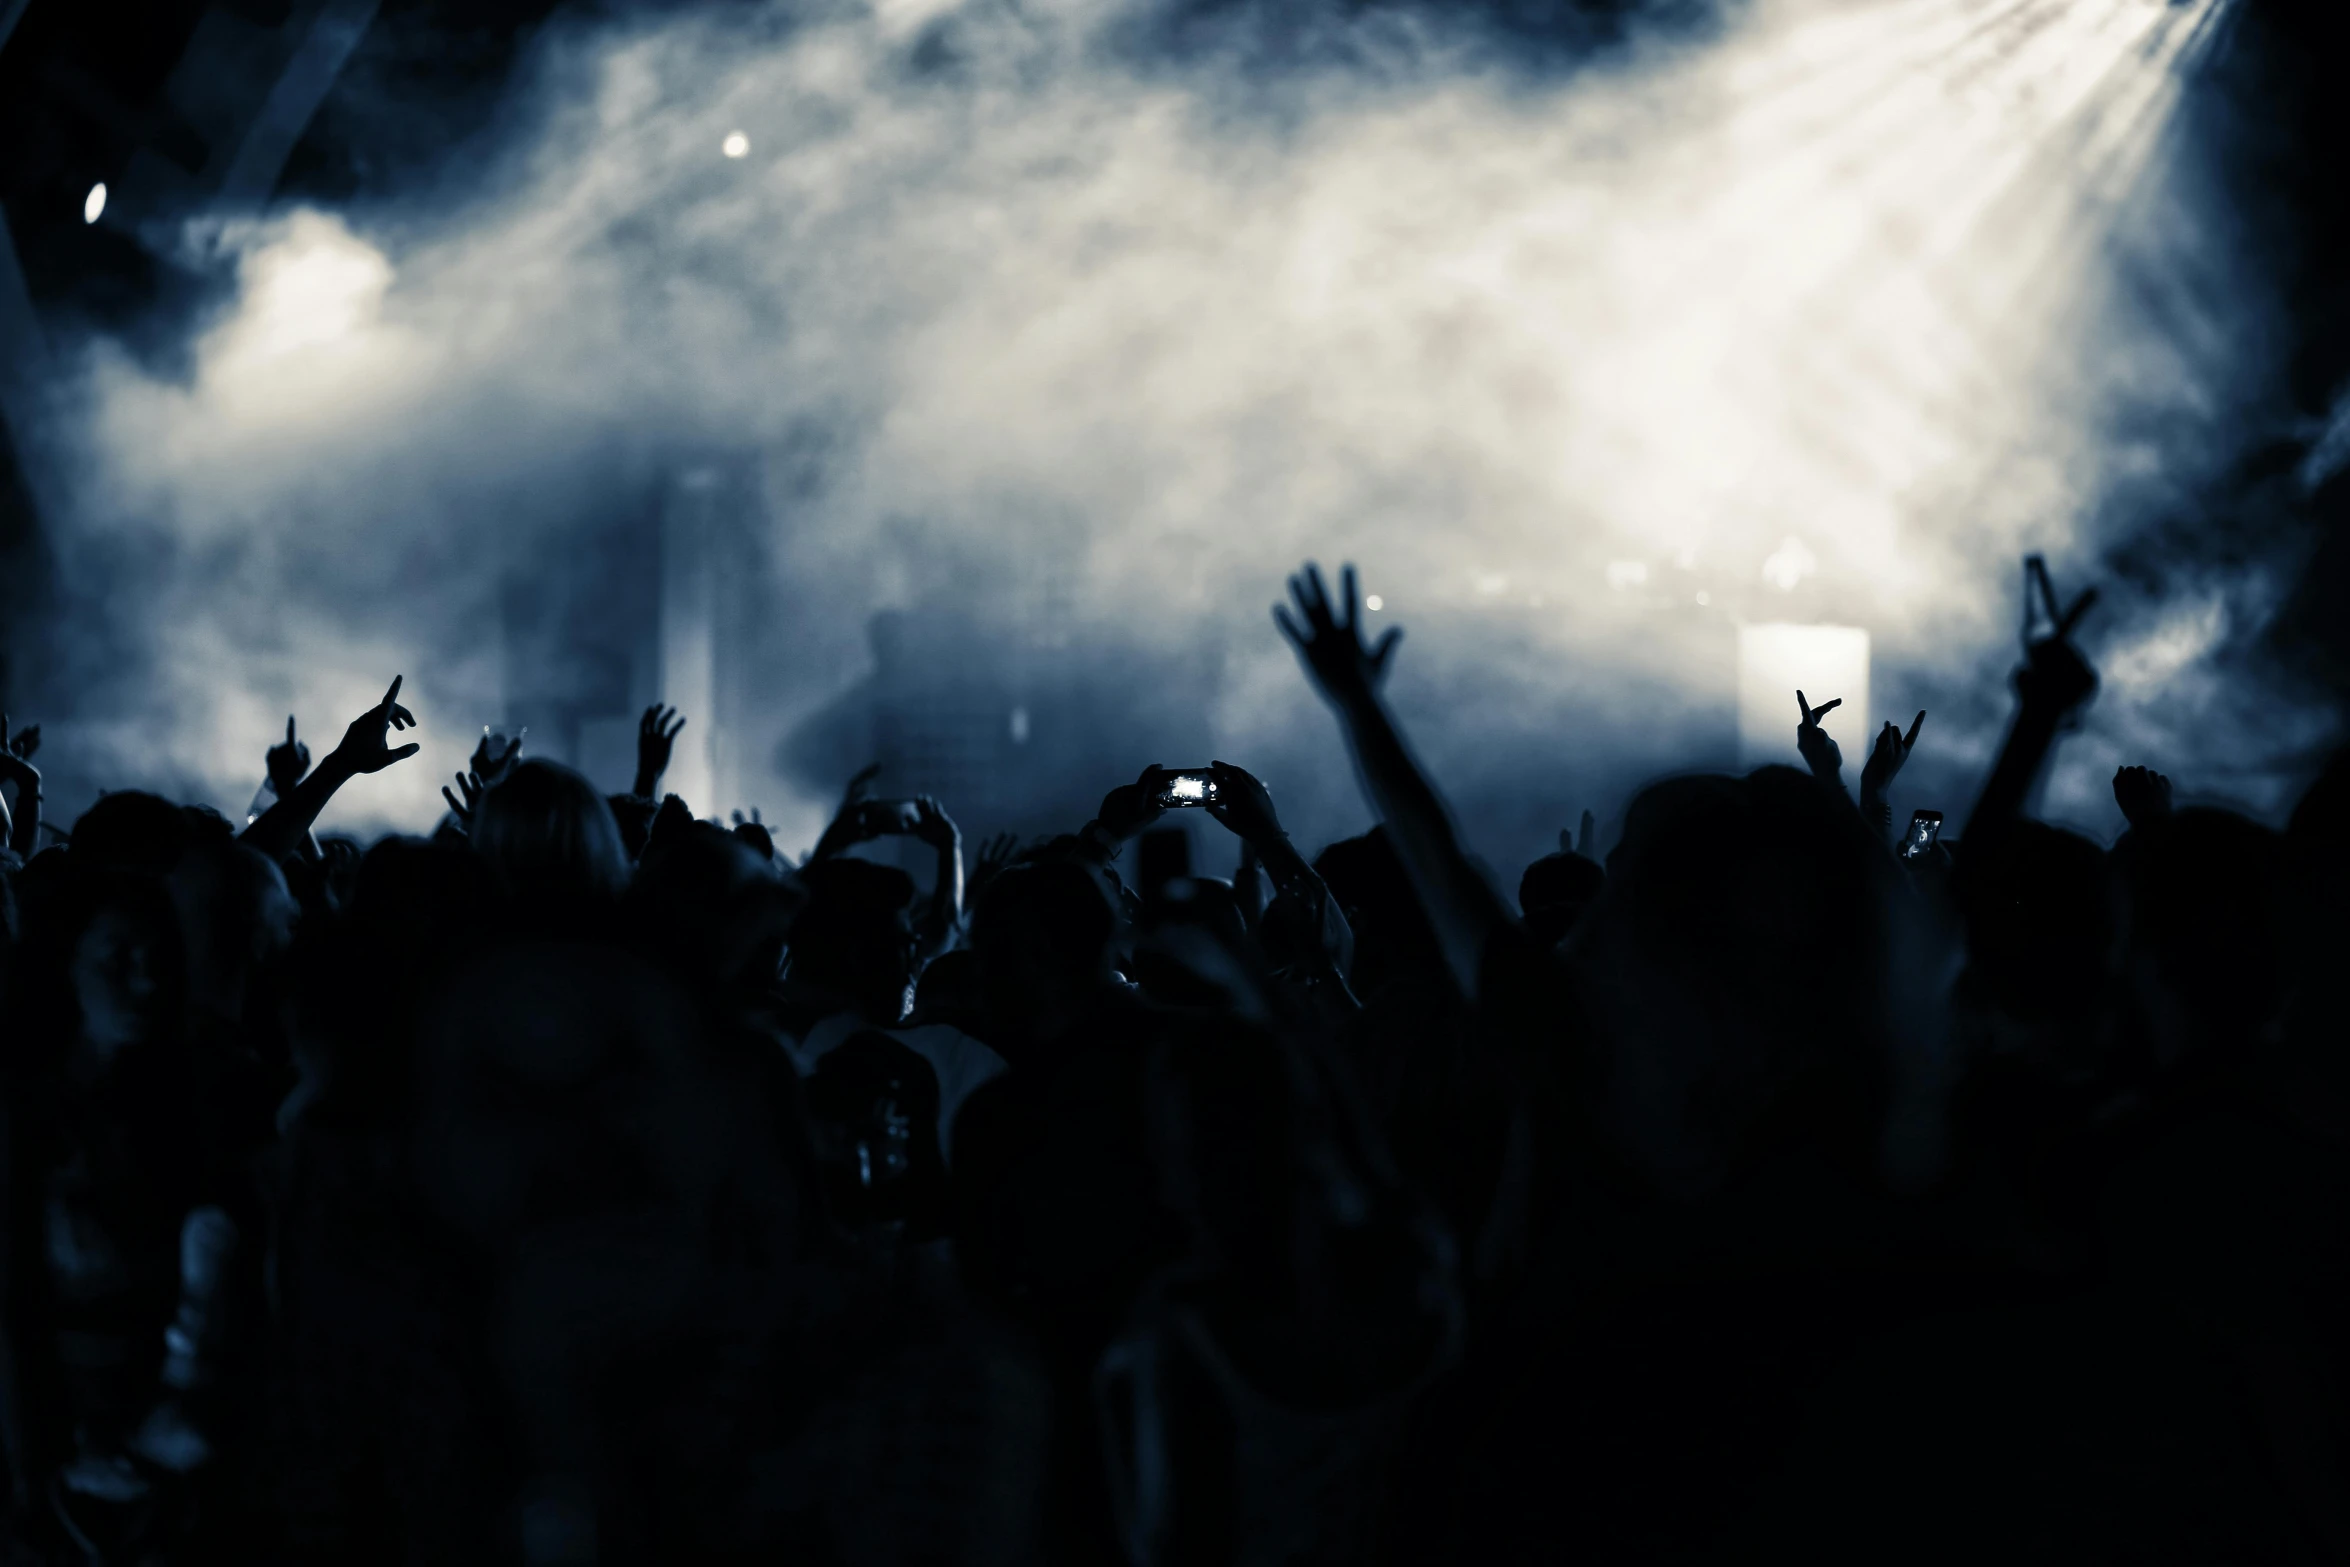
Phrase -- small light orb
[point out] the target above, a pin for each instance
(94, 203)
(1374, 603)
(736, 145)
(1704, 599)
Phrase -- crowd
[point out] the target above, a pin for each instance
(591, 1183)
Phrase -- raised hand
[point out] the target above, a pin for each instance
(852, 823)
(1129, 808)
(16, 762)
(656, 736)
(1328, 637)
(995, 853)
(2143, 794)
(463, 809)
(1887, 756)
(286, 825)
(1243, 805)
(288, 764)
(22, 829)
(2055, 678)
(362, 749)
(1585, 842)
(1813, 743)
(491, 761)
(932, 825)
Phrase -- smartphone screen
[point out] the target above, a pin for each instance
(1925, 828)
(1188, 788)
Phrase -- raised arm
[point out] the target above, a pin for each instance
(1885, 762)
(22, 832)
(2053, 683)
(1816, 746)
(1464, 909)
(656, 737)
(943, 916)
(283, 827)
(1245, 806)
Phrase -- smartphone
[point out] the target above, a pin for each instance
(1192, 786)
(1925, 829)
(884, 817)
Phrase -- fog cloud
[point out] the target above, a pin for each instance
(1823, 315)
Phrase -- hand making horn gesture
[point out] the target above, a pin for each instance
(1813, 742)
(363, 749)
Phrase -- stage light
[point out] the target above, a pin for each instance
(1374, 603)
(1825, 663)
(1789, 565)
(94, 204)
(736, 145)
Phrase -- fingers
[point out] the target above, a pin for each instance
(1803, 706)
(2072, 617)
(1385, 647)
(1353, 599)
(289, 729)
(401, 718)
(1916, 724)
(1825, 708)
(455, 809)
(393, 695)
(1289, 628)
(669, 732)
(402, 754)
(2036, 573)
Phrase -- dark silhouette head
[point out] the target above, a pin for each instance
(1555, 891)
(855, 939)
(550, 837)
(1393, 938)
(1044, 933)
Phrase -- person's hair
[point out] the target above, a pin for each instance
(852, 938)
(131, 831)
(714, 905)
(1042, 928)
(1392, 934)
(1555, 890)
(2206, 910)
(2041, 919)
(550, 836)
(1743, 953)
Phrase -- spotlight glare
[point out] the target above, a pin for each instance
(1374, 603)
(736, 145)
(94, 203)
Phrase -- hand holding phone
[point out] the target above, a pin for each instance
(1925, 830)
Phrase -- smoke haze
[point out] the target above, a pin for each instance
(1822, 314)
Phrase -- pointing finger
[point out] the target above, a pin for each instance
(1912, 737)
(393, 695)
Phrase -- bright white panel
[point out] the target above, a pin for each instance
(1823, 662)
